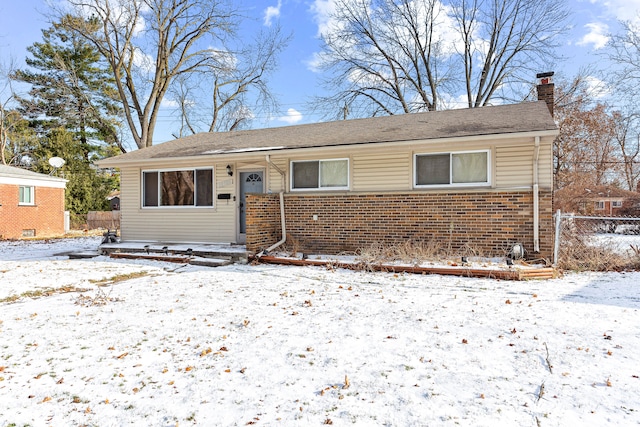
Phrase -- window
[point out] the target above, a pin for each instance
(320, 175)
(190, 187)
(616, 203)
(26, 195)
(459, 169)
(600, 205)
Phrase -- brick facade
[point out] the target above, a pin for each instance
(488, 223)
(46, 217)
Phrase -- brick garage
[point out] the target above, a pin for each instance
(43, 218)
(489, 223)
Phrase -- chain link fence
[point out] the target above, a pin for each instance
(597, 243)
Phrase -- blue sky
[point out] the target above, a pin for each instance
(296, 81)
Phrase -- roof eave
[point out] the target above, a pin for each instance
(259, 152)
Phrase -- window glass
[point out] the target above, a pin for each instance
(432, 169)
(452, 168)
(204, 185)
(178, 188)
(469, 167)
(320, 174)
(305, 174)
(334, 173)
(25, 196)
(150, 188)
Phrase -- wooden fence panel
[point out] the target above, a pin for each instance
(109, 220)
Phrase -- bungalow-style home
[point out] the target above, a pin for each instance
(31, 204)
(475, 180)
(597, 200)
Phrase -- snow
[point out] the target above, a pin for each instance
(151, 343)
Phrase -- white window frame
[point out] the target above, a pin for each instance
(599, 205)
(319, 188)
(452, 184)
(32, 194)
(616, 204)
(194, 206)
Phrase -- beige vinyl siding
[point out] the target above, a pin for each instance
(514, 166)
(545, 167)
(274, 178)
(217, 224)
(391, 169)
(381, 171)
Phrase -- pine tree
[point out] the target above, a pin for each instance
(72, 109)
(71, 88)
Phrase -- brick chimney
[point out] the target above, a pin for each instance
(545, 89)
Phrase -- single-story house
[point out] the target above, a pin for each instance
(475, 180)
(597, 200)
(31, 204)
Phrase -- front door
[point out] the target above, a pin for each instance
(250, 182)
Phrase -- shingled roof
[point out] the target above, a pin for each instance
(19, 173)
(495, 120)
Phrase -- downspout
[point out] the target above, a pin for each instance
(282, 218)
(536, 201)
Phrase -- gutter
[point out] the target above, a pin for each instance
(282, 217)
(536, 197)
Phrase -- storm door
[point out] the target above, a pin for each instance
(250, 182)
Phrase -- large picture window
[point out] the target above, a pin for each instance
(452, 169)
(26, 195)
(189, 187)
(320, 175)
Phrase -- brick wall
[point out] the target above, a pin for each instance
(487, 222)
(46, 217)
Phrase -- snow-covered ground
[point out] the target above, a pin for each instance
(117, 342)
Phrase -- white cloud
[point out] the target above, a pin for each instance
(322, 11)
(226, 60)
(597, 35)
(293, 116)
(143, 62)
(169, 103)
(622, 9)
(597, 88)
(271, 13)
(314, 64)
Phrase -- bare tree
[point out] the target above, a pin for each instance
(6, 97)
(401, 56)
(624, 51)
(585, 152)
(505, 42)
(16, 138)
(148, 43)
(227, 96)
(626, 133)
(387, 56)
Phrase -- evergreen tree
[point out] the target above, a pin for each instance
(71, 87)
(72, 109)
(87, 187)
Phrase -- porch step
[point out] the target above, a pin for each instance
(180, 259)
(220, 252)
